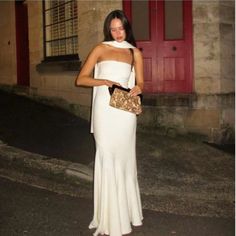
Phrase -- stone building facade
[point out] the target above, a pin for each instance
(207, 110)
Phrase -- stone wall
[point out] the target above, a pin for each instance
(90, 32)
(91, 18)
(61, 84)
(213, 108)
(7, 43)
(209, 110)
(54, 84)
(35, 25)
(213, 46)
(206, 40)
(58, 86)
(227, 45)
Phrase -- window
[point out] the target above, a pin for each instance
(60, 29)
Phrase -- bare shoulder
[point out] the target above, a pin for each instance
(137, 54)
(95, 53)
(98, 49)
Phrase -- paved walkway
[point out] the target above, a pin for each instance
(38, 212)
(48, 147)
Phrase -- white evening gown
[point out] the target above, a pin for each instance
(117, 202)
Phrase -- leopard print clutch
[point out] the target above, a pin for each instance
(121, 99)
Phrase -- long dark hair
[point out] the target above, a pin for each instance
(125, 22)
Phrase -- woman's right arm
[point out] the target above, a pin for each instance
(84, 78)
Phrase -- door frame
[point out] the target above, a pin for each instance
(22, 43)
(187, 36)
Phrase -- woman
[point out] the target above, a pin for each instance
(116, 192)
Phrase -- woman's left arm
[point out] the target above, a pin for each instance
(138, 66)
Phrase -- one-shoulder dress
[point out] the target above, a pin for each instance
(117, 203)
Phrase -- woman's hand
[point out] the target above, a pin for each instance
(136, 90)
(110, 83)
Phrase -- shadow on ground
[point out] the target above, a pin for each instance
(43, 129)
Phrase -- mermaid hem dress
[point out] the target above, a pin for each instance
(117, 202)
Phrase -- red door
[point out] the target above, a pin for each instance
(163, 30)
(22, 43)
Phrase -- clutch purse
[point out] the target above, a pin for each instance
(121, 99)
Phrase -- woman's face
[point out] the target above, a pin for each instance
(117, 30)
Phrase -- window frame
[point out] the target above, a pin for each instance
(65, 57)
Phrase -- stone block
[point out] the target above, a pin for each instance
(34, 77)
(35, 57)
(7, 44)
(84, 90)
(202, 119)
(77, 98)
(228, 100)
(48, 93)
(227, 31)
(226, 14)
(92, 16)
(207, 68)
(34, 8)
(229, 3)
(209, 50)
(163, 118)
(227, 53)
(227, 85)
(207, 85)
(35, 42)
(83, 112)
(227, 68)
(207, 101)
(66, 82)
(205, 11)
(8, 80)
(228, 116)
(49, 82)
(7, 13)
(222, 135)
(205, 32)
(149, 117)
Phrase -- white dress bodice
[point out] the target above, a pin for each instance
(114, 70)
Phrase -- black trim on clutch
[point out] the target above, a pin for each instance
(111, 90)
